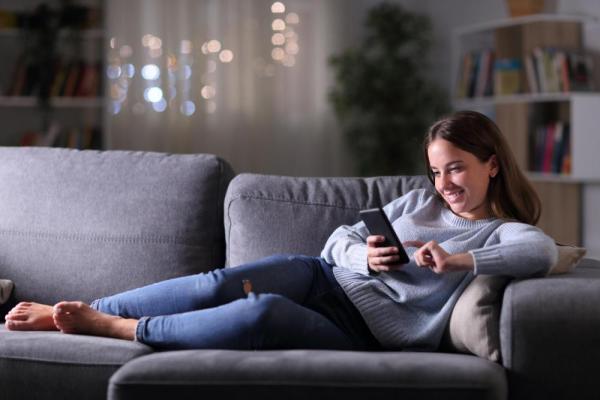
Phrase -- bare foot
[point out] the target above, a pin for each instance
(27, 316)
(78, 317)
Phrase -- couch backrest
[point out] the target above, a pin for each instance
(266, 214)
(84, 224)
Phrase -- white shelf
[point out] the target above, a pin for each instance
(57, 102)
(559, 178)
(508, 22)
(12, 33)
(477, 102)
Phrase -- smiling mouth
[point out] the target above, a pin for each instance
(451, 196)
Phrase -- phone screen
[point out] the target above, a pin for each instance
(378, 224)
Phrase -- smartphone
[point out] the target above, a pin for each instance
(378, 224)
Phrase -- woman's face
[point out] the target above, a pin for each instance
(461, 179)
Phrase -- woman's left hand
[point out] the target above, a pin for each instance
(431, 255)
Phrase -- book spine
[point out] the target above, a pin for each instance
(531, 75)
(549, 148)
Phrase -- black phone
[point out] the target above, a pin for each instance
(378, 224)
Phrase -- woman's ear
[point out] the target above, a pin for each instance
(493, 164)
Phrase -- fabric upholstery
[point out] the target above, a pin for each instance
(85, 224)
(6, 288)
(549, 335)
(302, 374)
(266, 214)
(36, 365)
(475, 321)
(568, 258)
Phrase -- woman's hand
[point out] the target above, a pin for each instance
(432, 255)
(384, 259)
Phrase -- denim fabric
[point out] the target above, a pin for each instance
(295, 302)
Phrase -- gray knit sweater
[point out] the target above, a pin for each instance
(409, 308)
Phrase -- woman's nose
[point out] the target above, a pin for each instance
(445, 180)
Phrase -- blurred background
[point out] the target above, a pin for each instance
(312, 87)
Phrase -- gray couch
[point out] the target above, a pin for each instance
(80, 225)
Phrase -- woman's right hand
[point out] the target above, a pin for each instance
(381, 259)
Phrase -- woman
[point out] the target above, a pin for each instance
(479, 220)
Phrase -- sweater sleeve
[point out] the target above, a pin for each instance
(522, 251)
(347, 245)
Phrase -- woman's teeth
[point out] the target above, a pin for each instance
(454, 195)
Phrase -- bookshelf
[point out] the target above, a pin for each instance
(61, 44)
(535, 77)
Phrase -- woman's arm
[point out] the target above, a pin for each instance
(347, 245)
(523, 250)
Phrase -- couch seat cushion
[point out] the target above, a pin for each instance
(300, 374)
(42, 364)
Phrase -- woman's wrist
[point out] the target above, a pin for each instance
(461, 262)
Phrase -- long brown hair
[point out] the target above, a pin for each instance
(510, 194)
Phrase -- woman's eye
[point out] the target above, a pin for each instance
(435, 173)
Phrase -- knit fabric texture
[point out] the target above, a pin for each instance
(409, 308)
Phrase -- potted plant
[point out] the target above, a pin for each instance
(382, 97)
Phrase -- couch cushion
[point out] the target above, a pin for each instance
(550, 337)
(302, 374)
(267, 214)
(84, 224)
(51, 364)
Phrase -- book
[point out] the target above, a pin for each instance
(563, 68)
(566, 153)
(59, 79)
(72, 79)
(538, 55)
(558, 147)
(580, 68)
(465, 73)
(88, 83)
(483, 73)
(532, 79)
(548, 148)
(507, 76)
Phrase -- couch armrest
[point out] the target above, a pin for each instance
(550, 335)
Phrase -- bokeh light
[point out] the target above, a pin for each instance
(278, 39)
(277, 7)
(277, 54)
(213, 46)
(153, 94)
(160, 105)
(188, 108)
(187, 72)
(150, 72)
(115, 107)
(278, 24)
(226, 56)
(113, 71)
(292, 18)
(129, 70)
(125, 51)
(208, 92)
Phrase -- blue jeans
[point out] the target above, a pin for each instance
(295, 303)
